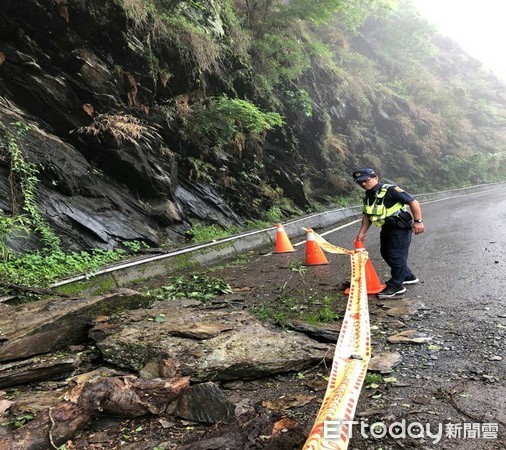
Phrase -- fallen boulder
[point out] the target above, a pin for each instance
(207, 344)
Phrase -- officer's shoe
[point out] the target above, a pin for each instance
(391, 291)
(411, 280)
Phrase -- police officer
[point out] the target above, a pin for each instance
(385, 207)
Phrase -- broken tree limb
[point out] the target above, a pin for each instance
(125, 396)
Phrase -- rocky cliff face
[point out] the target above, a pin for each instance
(110, 159)
(60, 67)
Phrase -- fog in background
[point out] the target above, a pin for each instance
(478, 26)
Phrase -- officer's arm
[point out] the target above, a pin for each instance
(366, 223)
(416, 211)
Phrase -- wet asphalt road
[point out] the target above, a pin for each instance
(461, 262)
(461, 257)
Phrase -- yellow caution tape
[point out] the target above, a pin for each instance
(331, 248)
(351, 359)
(327, 246)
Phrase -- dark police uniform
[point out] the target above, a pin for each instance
(396, 232)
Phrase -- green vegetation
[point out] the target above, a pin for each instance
(19, 420)
(272, 216)
(290, 57)
(262, 94)
(206, 233)
(9, 227)
(225, 123)
(197, 49)
(302, 306)
(479, 167)
(42, 267)
(198, 287)
(201, 232)
(372, 377)
(375, 381)
(297, 266)
(351, 13)
(23, 180)
(280, 58)
(200, 170)
(299, 101)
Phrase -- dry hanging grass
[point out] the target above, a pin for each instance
(121, 127)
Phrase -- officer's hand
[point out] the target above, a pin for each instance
(418, 227)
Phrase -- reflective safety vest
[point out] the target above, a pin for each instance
(377, 212)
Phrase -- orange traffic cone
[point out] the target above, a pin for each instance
(371, 278)
(283, 244)
(314, 254)
(359, 245)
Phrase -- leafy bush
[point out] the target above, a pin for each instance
(486, 113)
(280, 57)
(200, 170)
(478, 168)
(222, 122)
(300, 100)
(404, 39)
(274, 215)
(351, 13)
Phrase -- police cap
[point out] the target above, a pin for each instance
(363, 174)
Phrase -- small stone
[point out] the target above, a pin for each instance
(383, 362)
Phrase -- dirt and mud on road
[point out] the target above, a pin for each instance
(447, 374)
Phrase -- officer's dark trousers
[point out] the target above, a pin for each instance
(394, 250)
